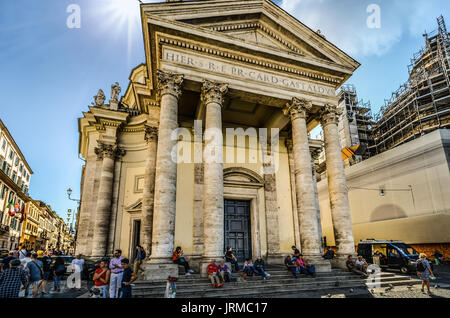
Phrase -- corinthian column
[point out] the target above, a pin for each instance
(169, 87)
(107, 153)
(213, 218)
(148, 195)
(337, 185)
(306, 202)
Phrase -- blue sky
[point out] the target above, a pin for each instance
(49, 73)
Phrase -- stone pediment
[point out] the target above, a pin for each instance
(135, 207)
(260, 23)
(242, 177)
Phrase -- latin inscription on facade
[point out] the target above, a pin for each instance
(242, 72)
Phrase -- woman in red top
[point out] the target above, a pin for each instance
(101, 278)
(179, 259)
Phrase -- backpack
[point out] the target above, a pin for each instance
(420, 267)
(60, 269)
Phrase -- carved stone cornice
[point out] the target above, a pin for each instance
(240, 58)
(111, 151)
(330, 115)
(169, 83)
(151, 134)
(298, 108)
(213, 92)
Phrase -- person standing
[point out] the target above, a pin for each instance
(127, 279)
(16, 253)
(58, 270)
(77, 268)
(231, 258)
(11, 279)
(46, 261)
(22, 252)
(8, 259)
(36, 274)
(140, 257)
(424, 271)
(115, 265)
(101, 278)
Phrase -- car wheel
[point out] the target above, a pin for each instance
(404, 270)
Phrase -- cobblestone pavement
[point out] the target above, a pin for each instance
(415, 292)
(64, 293)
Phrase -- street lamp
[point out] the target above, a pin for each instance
(69, 193)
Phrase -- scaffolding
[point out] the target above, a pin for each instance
(356, 122)
(422, 104)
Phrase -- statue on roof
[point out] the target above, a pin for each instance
(115, 92)
(100, 98)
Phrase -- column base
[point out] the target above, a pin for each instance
(339, 261)
(322, 265)
(275, 258)
(159, 272)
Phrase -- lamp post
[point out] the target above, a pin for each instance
(69, 193)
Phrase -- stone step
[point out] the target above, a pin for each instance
(270, 282)
(301, 281)
(196, 279)
(257, 292)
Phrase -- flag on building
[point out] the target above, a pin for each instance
(10, 208)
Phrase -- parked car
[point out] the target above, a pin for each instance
(389, 254)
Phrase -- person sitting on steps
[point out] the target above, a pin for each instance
(291, 265)
(178, 258)
(212, 269)
(328, 254)
(259, 268)
(353, 267)
(303, 267)
(224, 272)
(248, 267)
(296, 253)
(231, 258)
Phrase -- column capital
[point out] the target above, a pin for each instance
(330, 114)
(151, 133)
(169, 83)
(105, 150)
(297, 108)
(213, 92)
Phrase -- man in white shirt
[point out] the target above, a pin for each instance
(77, 267)
(22, 253)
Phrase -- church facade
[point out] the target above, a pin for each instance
(208, 147)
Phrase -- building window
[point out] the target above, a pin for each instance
(11, 155)
(14, 177)
(3, 192)
(4, 144)
(3, 165)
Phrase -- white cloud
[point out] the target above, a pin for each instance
(343, 22)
